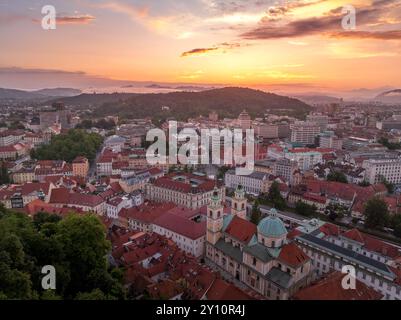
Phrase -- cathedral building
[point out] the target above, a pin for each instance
(259, 256)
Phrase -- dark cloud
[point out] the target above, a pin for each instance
(294, 29)
(82, 19)
(328, 24)
(72, 19)
(197, 51)
(220, 46)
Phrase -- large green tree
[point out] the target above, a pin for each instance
(70, 145)
(4, 175)
(76, 246)
(305, 209)
(376, 213)
(274, 197)
(255, 213)
(337, 176)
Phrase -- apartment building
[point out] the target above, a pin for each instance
(329, 140)
(304, 133)
(305, 157)
(321, 120)
(80, 167)
(9, 137)
(377, 169)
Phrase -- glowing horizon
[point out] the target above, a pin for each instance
(256, 43)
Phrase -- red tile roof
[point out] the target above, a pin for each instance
(168, 182)
(241, 229)
(373, 244)
(222, 290)
(63, 196)
(185, 227)
(314, 198)
(38, 205)
(292, 255)
(148, 212)
(355, 235)
(165, 289)
(330, 229)
(330, 288)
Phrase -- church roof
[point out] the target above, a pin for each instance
(240, 229)
(292, 255)
(272, 226)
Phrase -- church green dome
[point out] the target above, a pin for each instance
(272, 226)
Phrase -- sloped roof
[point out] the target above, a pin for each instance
(330, 288)
(241, 229)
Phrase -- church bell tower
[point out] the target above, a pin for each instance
(214, 219)
(239, 202)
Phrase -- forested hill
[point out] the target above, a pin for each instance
(228, 102)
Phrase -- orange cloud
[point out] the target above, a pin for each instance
(197, 51)
(77, 19)
(81, 19)
(221, 46)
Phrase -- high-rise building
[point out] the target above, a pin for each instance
(272, 131)
(304, 132)
(319, 119)
(328, 139)
(58, 114)
(244, 120)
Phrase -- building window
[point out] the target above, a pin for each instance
(254, 261)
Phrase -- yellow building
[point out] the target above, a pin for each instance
(80, 167)
(23, 176)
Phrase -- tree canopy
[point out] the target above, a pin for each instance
(274, 197)
(70, 145)
(305, 209)
(4, 175)
(337, 176)
(76, 246)
(376, 213)
(255, 213)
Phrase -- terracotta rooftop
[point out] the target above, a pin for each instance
(241, 229)
(330, 288)
(292, 255)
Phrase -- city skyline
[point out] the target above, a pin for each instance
(294, 46)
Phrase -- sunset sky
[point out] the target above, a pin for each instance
(274, 44)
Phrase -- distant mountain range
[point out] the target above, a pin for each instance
(318, 99)
(38, 95)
